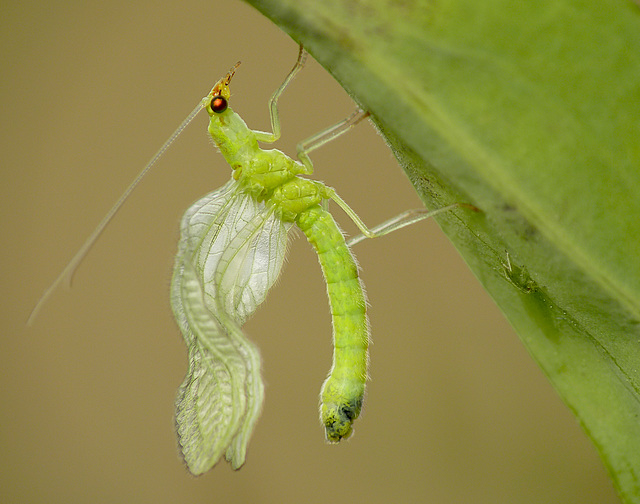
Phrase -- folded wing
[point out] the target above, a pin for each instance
(230, 253)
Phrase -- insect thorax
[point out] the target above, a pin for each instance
(296, 196)
(270, 175)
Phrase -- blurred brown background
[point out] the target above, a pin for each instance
(456, 410)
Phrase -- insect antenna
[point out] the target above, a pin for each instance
(69, 270)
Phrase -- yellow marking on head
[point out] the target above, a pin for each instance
(221, 87)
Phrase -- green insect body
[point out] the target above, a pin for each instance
(232, 247)
(343, 391)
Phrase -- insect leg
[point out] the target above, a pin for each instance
(325, 136)
(398, 222)
(263, 136)
(404, 219)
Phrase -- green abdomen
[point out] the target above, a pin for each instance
(343, 391)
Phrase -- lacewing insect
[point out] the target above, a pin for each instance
(231, 250)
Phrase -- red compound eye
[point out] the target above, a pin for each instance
(219, 104)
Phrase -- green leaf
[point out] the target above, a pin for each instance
(531, 112)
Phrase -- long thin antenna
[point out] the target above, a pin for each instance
(69, 270)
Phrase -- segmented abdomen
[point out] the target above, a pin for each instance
(343, 391)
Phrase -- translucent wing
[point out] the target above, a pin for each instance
(230, 253)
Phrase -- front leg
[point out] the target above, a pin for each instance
(264, 136)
